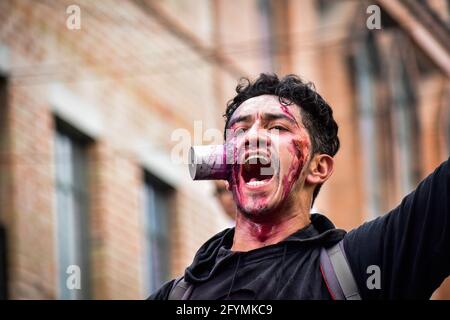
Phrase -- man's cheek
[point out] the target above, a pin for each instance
(295, 152)
(298, 150)
(231, 159)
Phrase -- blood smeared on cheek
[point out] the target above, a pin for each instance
(298, 148)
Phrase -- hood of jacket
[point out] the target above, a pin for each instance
(216, 251)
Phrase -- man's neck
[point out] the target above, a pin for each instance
(250, 235)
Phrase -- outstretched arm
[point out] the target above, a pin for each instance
(410, 244)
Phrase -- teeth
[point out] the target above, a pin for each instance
(263, 159)
(255, 183)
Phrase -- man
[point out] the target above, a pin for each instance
(225, 198)
(273, 251)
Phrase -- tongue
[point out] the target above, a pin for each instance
(253, 179)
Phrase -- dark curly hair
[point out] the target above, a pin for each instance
(316, 114)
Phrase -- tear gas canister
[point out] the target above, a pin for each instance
(211, 162)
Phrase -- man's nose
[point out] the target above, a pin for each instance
(257, 138)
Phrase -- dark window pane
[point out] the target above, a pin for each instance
(72, 216)
(157, 233)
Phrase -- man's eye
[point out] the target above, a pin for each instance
(240, 130)
(280, 128)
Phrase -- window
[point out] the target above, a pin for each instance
(388, 119)
(157, 237)
(267, 27)
(72, 211)
(404, 106)
(4, 189)
(366, 62)
(325, 6)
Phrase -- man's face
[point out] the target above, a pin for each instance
(272, 147)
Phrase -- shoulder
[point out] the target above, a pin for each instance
(163, 292)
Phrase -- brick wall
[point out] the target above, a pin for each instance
(114, 66)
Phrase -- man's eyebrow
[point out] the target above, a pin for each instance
(242, 118)
(278, 116)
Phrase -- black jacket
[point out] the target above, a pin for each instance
(410, 245)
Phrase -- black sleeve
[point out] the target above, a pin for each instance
(163, 292)
(410, 244)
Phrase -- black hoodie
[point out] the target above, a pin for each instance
(410, 246)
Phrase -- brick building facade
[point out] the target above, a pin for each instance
(91, 119)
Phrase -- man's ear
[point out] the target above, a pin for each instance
(320, 169)
(227, 185)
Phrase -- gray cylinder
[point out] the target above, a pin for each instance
(209, 162)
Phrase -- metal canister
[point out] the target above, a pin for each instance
(210, 162)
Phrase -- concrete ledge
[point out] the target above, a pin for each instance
(5, 63)
(75, 111)
(158, 163)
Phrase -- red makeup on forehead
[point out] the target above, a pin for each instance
(286, 111)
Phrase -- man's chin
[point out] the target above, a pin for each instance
(255, 212)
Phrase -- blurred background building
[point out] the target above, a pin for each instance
(89, 123)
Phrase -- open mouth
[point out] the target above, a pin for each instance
(257, 170)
